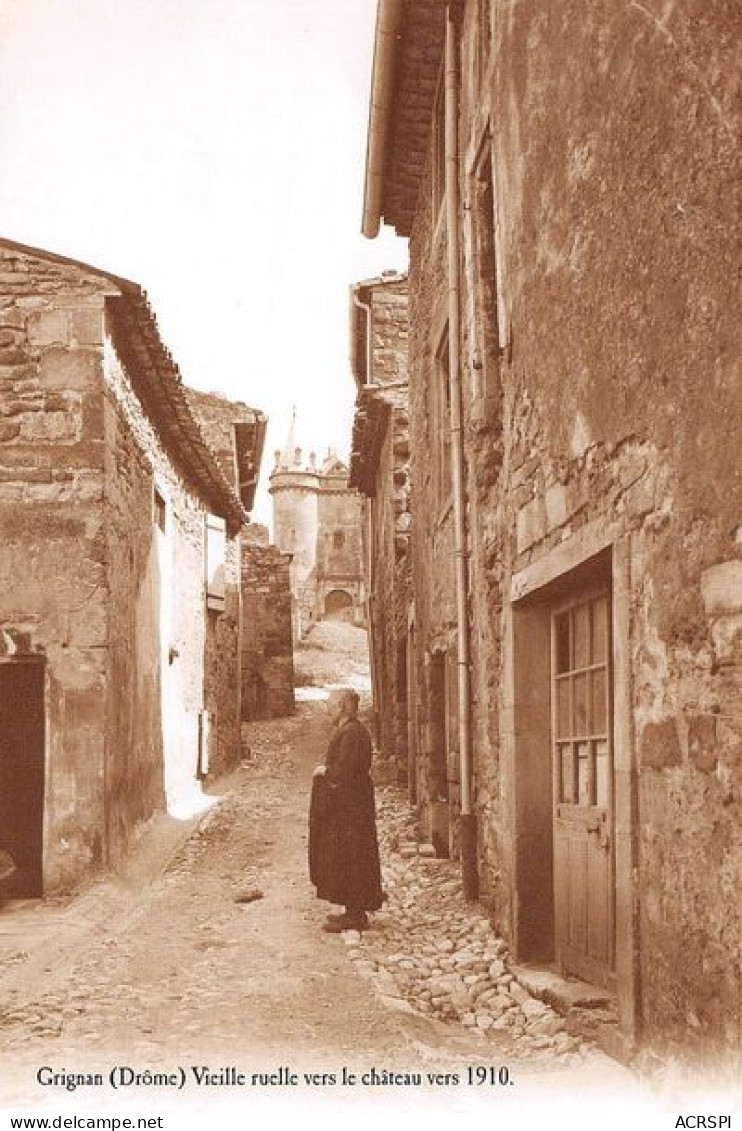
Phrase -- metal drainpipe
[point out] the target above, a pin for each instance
(366, 307)
(469, 872)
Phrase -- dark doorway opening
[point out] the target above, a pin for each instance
(338, 605)
(255, 696)
(22, 774)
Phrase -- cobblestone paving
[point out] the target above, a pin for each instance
(429, 951)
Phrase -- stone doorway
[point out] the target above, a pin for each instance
(22, 756)
(552, 924)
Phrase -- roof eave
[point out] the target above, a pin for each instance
(386, 39)
(249, 472)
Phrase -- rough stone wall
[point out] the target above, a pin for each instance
(382, 465)
(432, 570)
(390, 322)
(115, 605)
(135, 784)
(612, 368)
(389, 586)
(397, 460)
(222, 667)
(619, 367)
(53, 584)
(267, 638)
(196, 651)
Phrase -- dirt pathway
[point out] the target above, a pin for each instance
(160, 971)
(189, 973)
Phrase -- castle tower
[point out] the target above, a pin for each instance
(294, 486)
(339, 585)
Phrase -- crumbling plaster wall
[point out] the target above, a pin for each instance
(173, 659)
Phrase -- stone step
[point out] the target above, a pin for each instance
(559, 992)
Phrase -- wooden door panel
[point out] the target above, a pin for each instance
(598, 898)
(561, 885)
(577, 890)
(582, 775)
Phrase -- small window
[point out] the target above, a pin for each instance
(215, 559)
(159, 510)
(581, 698)
(338, 540)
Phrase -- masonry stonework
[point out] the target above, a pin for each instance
(267, 640)
(235, 434)
(600, 376)
(106, 493)
(52, 550)
(316, 519)
(380, 470)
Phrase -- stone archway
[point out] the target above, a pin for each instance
(338, 605)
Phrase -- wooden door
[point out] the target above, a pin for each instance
(583, 788)
(22, 773)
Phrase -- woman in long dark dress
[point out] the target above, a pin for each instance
(343, 847)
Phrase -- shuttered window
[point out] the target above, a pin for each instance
(216, 545)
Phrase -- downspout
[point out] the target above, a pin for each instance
(469, 872)
(366, 308)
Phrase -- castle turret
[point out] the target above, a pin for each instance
(294, 489)
(317, 519)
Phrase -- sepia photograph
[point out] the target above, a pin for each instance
(370, 563)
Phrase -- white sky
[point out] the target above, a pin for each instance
(213, 151)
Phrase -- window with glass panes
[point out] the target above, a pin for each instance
(581, 698)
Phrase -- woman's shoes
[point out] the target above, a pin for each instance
(348, 921)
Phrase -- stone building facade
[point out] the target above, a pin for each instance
(569, 183)
(235, 434)
(267, 637)
(316, 519)
(119, 559)
(380, 472)
(261, 656)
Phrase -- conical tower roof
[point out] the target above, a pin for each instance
(290, 448)
(290, 457)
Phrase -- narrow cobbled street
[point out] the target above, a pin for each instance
(220, 959)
